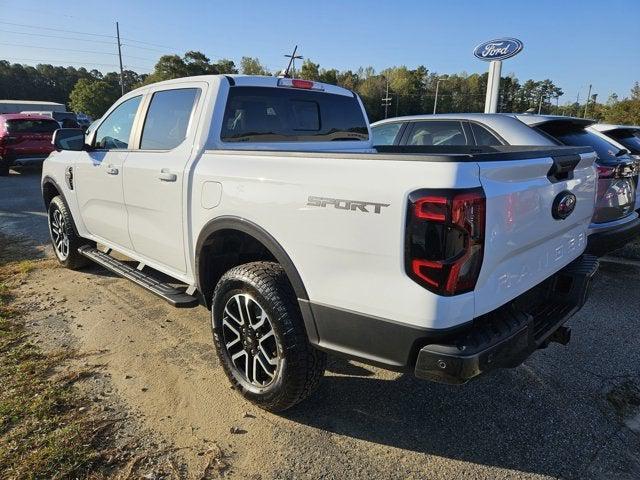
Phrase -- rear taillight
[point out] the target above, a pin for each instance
(620, 170)
(445, 239)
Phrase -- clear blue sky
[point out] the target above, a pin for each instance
(574, 43)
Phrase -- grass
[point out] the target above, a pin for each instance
(43, 431)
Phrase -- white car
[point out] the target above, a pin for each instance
(614, 223)
(264, 197)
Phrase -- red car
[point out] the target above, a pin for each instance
(24, 139)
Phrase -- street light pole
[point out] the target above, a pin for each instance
(435, 102)
(586, 105)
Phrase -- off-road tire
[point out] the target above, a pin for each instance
(73, 260)
(302, 365)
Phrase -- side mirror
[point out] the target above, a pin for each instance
(68, 139)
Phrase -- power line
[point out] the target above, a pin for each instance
(75, 32)
(57, 36)
(57, 30)
(68, 50)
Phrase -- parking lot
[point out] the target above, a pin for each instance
(568, 412)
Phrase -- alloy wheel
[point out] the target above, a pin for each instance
(250, 341)
(59, 234)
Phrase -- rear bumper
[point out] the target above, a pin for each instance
(505, 337)
(602, 242)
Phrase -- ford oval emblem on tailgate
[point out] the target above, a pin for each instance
(563, 205)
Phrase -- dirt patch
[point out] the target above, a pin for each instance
(55, 421)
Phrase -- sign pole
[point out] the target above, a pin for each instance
(493, 87)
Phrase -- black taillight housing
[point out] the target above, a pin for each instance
(445, 235)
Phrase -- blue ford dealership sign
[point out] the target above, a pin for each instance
(498, 49)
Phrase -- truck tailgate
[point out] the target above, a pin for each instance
(525, 244)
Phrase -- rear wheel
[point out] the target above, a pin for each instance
(260, 337)
(64, 239)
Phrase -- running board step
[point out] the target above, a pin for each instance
(177, 298)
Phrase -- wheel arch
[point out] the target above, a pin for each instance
(206, 249)
(233, 223)
(50, 189)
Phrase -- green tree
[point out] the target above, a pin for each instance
(226, 67)
(309, 70)
(92, 97)
(252, 66)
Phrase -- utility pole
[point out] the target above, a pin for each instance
(435, 102)
(540, 102)
(120, 57)
(386, 101)
(586, 105)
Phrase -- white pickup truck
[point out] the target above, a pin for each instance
(262, 199)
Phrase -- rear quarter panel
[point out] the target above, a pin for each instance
(347, 259)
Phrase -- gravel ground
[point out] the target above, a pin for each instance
(568, 412)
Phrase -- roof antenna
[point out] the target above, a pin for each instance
(292, 63)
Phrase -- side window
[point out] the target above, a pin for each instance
(165, 126)
(385, 134)
(113, 133)
(483, 136)
(437, 133)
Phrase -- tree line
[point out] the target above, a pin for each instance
(409, 91)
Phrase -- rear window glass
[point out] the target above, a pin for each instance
(32, 126)
(264, 114)
(578, 137)
(629, 140)
(60, 116)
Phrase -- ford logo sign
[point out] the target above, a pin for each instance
(498, 49)
(563, 205)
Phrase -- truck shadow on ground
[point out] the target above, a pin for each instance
(549, 416)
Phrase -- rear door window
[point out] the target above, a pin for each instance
(31, 126)
(386, 133)
(265, 114)
(437, 132)
(483, 136)
(165, 126)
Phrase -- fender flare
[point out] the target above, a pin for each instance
(230, 222)
(49, 180)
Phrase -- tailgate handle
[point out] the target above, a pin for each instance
(562, 168)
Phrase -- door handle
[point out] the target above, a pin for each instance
(166, 176)
(111, 170)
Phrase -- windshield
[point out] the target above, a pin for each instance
(31, 126)
(578, 137)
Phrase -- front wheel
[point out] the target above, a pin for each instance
(64, 239)
(260, 337)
